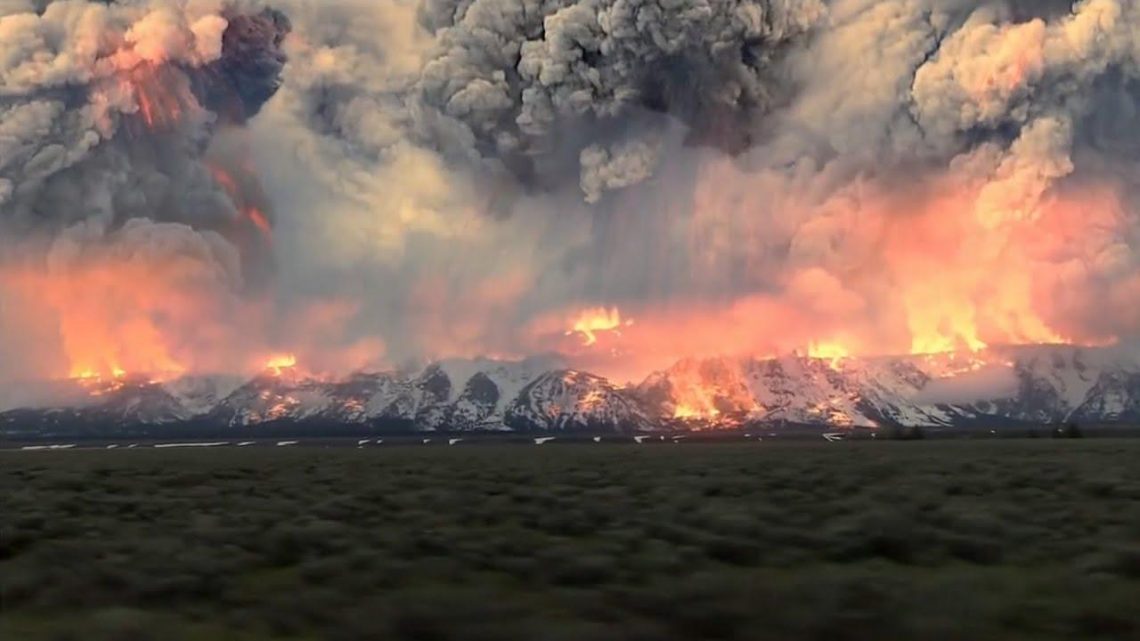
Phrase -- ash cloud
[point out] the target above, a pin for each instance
(530, 88)
(109, 107)
(892, 176)
(925, 159)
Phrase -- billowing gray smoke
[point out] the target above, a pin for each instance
(881, 174)
(540, 86)
(548, 90)
(462, 177)
(248, 72)
(108, 110)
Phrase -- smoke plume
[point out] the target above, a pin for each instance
(369, 183)
(120, 227)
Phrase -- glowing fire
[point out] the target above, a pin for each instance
(710, 390)
(598, 319)
(277, 365)
(833, 353)
(124, 307)
(947, 295)
(250, 211)
(703, 410)
(97, 338)
(100, 383)
(88, 374)
(259, 220)
(162, 96)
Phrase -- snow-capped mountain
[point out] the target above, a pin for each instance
(570, 400)
(89, 406)
(791, 389)
(1018, 385)
(1115, 397)
(1032, 384)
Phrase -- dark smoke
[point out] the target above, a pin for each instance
(550, 89)
(248, 74)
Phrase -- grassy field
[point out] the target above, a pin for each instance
(1011, 540)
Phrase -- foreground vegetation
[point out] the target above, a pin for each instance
(919, 540)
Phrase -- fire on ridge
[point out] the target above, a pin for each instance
(986, 242)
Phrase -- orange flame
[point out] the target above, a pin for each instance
(832, 352)
(259, 220)
(161, 98)
(104, 329)
(99, 384)
(594, 320)
(698, 406)
(281, 363)
(224, 180)
(252, 212)
(121, 311)
(710, 391)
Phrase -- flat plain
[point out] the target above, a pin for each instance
(931, 540)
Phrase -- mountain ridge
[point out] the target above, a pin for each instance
(1016, 385)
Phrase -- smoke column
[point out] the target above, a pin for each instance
(372, 183)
